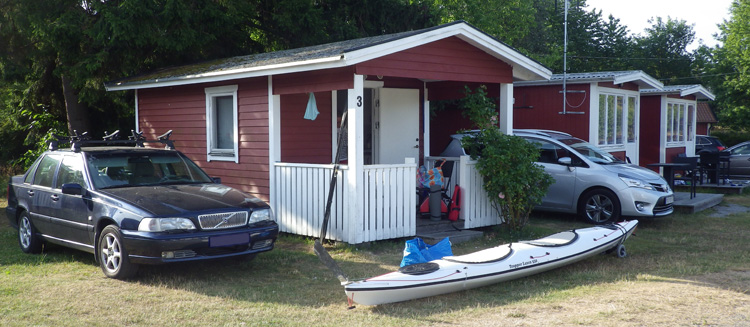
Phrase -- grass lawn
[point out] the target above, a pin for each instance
(681, 270)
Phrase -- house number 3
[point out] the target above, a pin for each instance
(359, 101)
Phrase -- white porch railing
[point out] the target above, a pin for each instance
(388, 201)
(476, 209)
(301, 193)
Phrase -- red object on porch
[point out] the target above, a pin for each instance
(455, 208)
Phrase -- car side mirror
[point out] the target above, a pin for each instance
(567, 161)
(217, 180)
(72, 189)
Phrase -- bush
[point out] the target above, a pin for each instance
(731, 136)
(512, 179)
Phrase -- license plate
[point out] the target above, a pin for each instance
(669, 199)
(225, 240)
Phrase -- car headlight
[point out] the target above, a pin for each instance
(165, 224)
(634, 182)
(259, 215)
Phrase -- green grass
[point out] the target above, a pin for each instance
(289, 286)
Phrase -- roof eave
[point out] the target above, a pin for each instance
(232, 74)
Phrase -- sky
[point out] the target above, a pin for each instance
(703, 14)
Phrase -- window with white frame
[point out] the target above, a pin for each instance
(221, 123)
(679, 123)
(617, 119)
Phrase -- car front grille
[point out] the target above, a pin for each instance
(660, 187)
(223, 220)
(662, 207)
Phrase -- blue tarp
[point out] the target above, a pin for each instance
(417, 251)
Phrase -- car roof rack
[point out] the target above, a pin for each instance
(136, 139)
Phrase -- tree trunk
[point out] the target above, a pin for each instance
(78, 118)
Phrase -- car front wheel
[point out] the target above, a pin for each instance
(27, 238)
(599, 206)
(113, 257)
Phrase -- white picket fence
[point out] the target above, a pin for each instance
(476, 208)
(388, 202)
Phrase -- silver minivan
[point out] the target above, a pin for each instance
(590, 181)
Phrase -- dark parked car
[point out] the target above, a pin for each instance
(705, 143)
(131, 205)
(739, 159)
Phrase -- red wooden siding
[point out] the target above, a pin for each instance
(650, 129)
(701, 129)
(619, 155)
(539, 107)
(446, 59)
(183, 110)
(456, 90)
(673, 152)
(302, 140)
(314, 81)
(623, 86)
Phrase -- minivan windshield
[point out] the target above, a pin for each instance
(591, 152)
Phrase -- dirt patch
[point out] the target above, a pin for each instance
(728, 209)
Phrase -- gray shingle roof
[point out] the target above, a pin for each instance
(330, 52)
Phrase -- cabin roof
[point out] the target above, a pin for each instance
(332, 55)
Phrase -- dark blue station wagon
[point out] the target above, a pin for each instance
(134, 205)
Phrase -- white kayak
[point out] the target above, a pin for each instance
(489, 266)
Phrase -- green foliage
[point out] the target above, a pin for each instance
(665, 45)
(514, 183)
(730, 66)
(731, 136)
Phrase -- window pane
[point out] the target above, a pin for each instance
(611, 119)
(669, 122)
(618, 125)
(690, 132)
(71, 172)
(224, 122)
(631, 119)
(45, 173)
(602, 118)
(681, 122)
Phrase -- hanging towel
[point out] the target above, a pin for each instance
(312, 108)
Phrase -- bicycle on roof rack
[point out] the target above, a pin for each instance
(136, 139)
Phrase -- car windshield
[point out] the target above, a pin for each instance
(591, 152)
(131, 168)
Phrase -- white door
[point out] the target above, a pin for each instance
(397, 126)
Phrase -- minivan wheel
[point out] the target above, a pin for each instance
(27, 238)
(113, 257)
(599, 206)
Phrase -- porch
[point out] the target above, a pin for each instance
(385, 208)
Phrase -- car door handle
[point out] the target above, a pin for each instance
(54, 197)
(30, 192)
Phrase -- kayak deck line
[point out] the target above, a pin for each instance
(501, 263)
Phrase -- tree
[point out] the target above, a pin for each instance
(733, 67)
(664, 50)
(506, 20)
(512, 179)
(55, 55)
